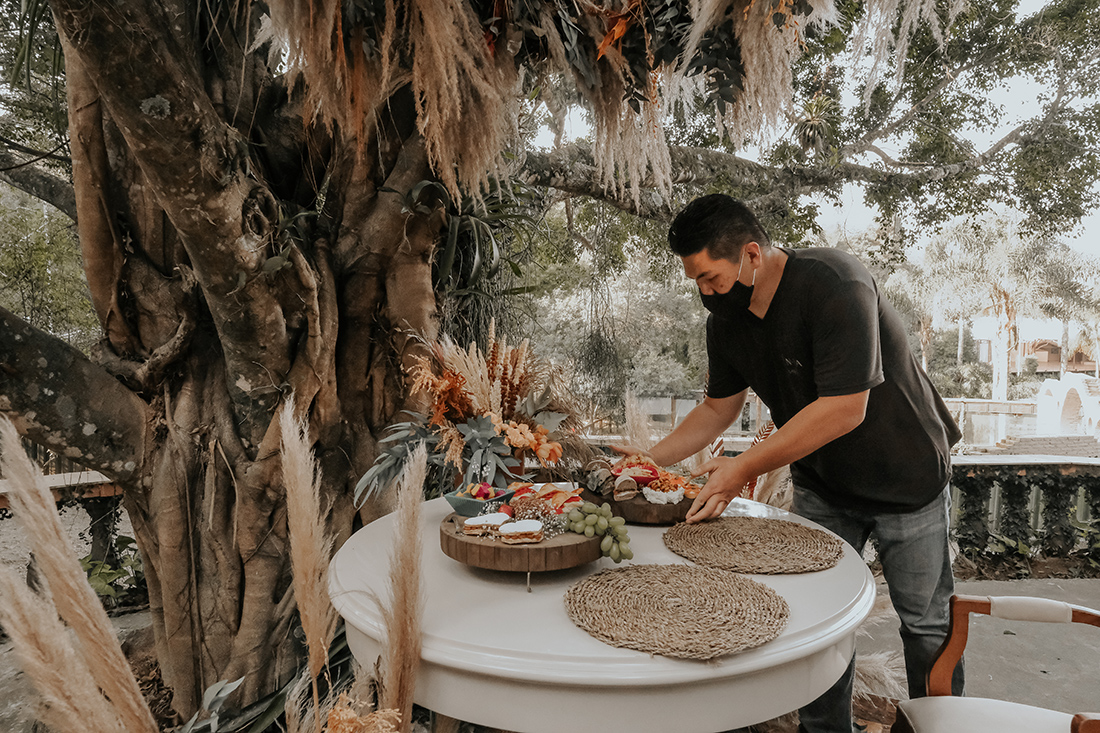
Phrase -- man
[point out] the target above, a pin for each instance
(866, 434)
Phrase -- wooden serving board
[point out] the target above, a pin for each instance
(640, 510)
(567, 550)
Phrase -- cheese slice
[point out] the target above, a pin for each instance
(522, 527)
(487, 520)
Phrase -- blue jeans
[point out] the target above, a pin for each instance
(916, 562)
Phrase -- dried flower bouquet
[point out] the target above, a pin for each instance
(492, 415)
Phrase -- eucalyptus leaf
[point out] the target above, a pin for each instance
(550, 420)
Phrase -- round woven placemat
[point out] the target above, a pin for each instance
(679, 611)
(755, 545)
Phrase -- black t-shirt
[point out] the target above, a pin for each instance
(829, 332)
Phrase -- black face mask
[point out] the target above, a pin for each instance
(733, 302)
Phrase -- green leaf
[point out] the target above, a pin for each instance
(447, 259)
(274, 264)
(550, 420)
(275, 709)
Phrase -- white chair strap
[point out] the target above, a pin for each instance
(1023, 608)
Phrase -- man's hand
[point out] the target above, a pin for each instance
(723, 486)
(628, 450)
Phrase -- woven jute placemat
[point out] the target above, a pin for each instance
(682, 611)
(755, 545)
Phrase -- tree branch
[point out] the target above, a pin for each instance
(890, 128)
(54, 190)
(570, 169)
(57, 398)
(36, 154)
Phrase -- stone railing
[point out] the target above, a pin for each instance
(1043, 502)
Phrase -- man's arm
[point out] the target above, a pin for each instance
(818, 423)
(703, 424)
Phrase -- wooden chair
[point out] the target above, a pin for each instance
(941, 712)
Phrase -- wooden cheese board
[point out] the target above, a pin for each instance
(567, 550)
(639, 510)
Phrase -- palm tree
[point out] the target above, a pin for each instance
(1065, 295)
(1012, 275)
(1086, 337)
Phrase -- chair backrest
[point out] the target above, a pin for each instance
(1012, 608)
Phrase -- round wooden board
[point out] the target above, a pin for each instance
(567, 550)
(640, 510)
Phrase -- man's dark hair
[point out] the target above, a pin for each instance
(717, 223)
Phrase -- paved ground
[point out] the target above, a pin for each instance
(1048, 665)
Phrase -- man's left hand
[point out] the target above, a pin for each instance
(723, 486)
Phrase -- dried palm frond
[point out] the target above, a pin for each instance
(402, 616)
(76, 602)
(775, 488)
(310, 543)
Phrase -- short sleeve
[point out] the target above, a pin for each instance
(722, 379)
(846, 346)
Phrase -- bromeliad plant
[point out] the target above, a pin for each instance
(492, 416)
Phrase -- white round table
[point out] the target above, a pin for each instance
(498, 654)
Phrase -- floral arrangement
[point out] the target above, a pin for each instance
(489, 418)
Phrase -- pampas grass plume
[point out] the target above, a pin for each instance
(402, 617)
(310, 545)
(43, 646)
(639, 429)
(76, 603)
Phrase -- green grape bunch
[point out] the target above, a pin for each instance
(598, 521)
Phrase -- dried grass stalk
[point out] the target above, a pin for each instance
(76, 602)
(639, 428)
(310, 544)
(339, 712)
(458, 85)
(402, 617)
(883, 36)
(881, 674)
(342, 84)
(345, 718)
(767, 53)
(43, 646)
